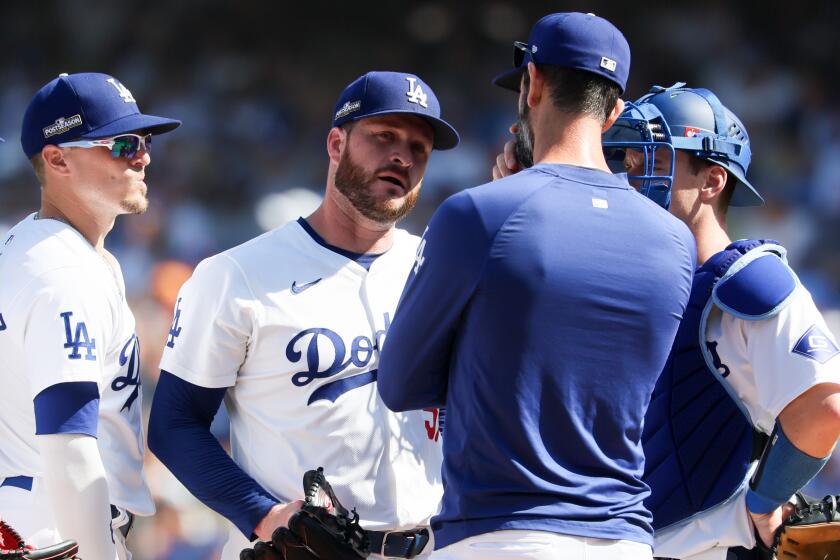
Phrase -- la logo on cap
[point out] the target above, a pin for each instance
(415, 92)
(122, 90)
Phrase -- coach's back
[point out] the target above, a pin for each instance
(563, 290)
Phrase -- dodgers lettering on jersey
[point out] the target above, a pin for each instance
(294, 331)
(361, 351)
(66, 320)
(129, 361)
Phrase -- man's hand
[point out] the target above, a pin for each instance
(506, 163)
(277, 516)
(766, 524)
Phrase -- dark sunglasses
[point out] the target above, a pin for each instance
(520, 50)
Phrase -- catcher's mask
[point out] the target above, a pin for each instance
(639, 144)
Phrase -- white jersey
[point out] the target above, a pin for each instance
(64, 318)
(293, 329)
(770, 362)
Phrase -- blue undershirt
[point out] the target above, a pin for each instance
(179, 435)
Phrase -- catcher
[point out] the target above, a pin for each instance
(322, 529)
(747, 409)
(12, 547)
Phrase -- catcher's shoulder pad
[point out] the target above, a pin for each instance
(758, 286)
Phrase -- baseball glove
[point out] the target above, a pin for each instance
(322, 530)
(811, 532)
(12, 547)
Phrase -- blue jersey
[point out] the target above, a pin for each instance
(540, 311)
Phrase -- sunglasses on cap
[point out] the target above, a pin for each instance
(520, 50)
(124, 145)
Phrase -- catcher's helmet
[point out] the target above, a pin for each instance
(642, 129)
(700, 124)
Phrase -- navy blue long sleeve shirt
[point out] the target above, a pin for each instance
(179, 435)
(540, 312)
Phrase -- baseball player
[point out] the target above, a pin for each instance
(753, 361)
(535, 312)
(72, 454)
(287, 329)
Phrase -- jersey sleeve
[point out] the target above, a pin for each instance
(414, 365)
(780, 357)
(212, 326)
(68, 326)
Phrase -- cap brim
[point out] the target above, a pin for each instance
(446, 137)
(511, 79)
(745, 194)
(133, 123)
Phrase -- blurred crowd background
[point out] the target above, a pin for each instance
(255, 84)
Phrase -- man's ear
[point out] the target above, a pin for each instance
(536, 87)
(716, 177)
(614, 114)
(336, 143)
(54, 160)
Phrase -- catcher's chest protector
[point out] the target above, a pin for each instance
(698, 442)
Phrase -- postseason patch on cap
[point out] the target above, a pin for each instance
(347, 108)
(62, 125)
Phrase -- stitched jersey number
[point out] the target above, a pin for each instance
(433, 424)
(2, 323)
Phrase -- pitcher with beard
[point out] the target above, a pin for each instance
(287, 329)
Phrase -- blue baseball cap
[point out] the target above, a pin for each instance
(572, 40)
(82, 107)
(384, 93)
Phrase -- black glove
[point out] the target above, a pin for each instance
(322, 530)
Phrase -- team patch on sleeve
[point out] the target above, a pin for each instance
(816, 344)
